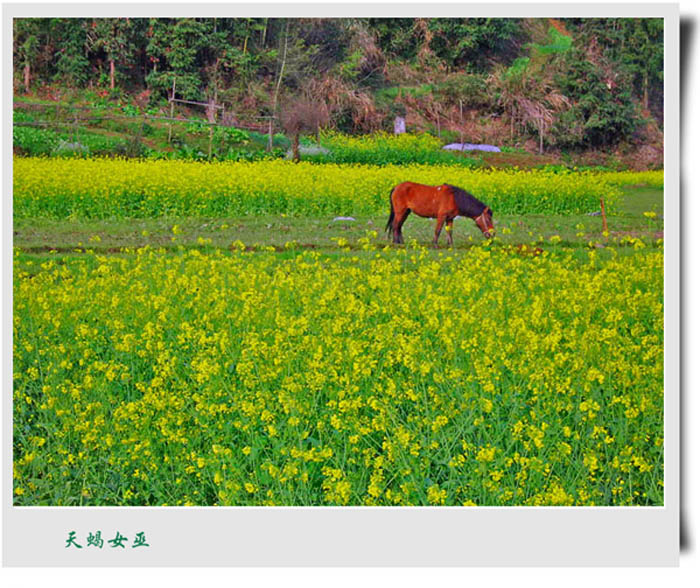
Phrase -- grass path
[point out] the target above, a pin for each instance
(42, 236)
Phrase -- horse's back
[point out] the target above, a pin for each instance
(411, 190)
(427, 201)
(406, 187)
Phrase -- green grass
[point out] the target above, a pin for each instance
(41, 236)
(638, 200)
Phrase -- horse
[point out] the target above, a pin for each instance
(443, 202)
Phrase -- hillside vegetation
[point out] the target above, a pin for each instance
(583, 90)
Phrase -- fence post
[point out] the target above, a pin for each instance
(172, 111)
(269, 135)
(602, 212)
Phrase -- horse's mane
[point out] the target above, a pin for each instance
(467, 203)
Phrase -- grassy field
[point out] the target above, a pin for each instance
(290, 359)
(45, 235)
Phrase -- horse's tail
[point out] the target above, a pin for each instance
(391, 210)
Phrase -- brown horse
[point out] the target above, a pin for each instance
(443, 202)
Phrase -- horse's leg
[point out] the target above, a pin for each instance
(438, 228)
(395, 226)
(398, 223)
(448, 228)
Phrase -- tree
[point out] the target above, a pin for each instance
(643, 55)
(174, 46)
(303, 115)
(295, 66)
(72, 65)
(236, 52)
(633, 49)
(111, 36)
(602, 113)
(280, 76)
(527, 89)
(397, 37)
(28, 38)
(474, 44)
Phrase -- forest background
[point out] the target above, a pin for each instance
(587, 91)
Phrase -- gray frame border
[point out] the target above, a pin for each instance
(363, 536)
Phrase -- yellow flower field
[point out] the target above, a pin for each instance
(112, 188)
(392, 377)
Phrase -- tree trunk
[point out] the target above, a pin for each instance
(645, 98)
(172, 112)
(27, 78)
(111, 74)
(279, 83)
(295, 149)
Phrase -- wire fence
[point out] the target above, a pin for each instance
(78, 119)
(145, 117)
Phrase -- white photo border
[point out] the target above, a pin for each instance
(362, 536)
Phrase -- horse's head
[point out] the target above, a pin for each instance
(470, 207)
(485, 223)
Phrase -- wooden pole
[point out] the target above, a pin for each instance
(279, 82)
(269, 134)
(172, 111)
(605, 220)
